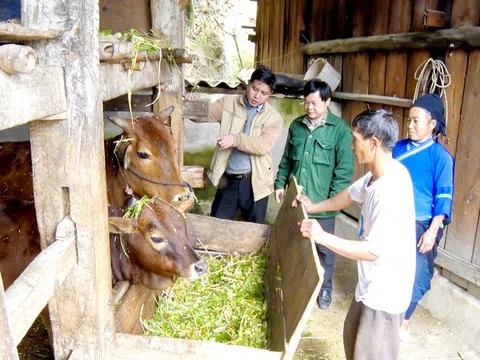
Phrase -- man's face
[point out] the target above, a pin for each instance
(363, 149)
(420, 124)
(315, 106)
(258, 93)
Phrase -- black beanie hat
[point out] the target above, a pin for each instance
(432, 104)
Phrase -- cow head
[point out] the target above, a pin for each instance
(148, 156)
(157, 246)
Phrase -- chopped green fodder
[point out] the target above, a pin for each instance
(226, 305)
(135, 210)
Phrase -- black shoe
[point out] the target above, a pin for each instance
(324, 299)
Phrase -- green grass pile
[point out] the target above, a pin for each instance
(226, 305)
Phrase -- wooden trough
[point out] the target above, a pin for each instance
(293, 278)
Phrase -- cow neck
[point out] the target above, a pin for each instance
(116, 184)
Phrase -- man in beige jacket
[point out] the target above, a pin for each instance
(241, 166)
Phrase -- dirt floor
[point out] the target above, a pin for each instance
(322, 337)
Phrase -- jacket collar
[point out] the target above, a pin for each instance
(241, 100)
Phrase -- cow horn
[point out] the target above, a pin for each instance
(165, 113)
(120, 122)
(126, 159)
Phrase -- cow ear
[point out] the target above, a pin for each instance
(120, 122)
(165, 113)
(126, 159)
(118, 225)
(183, 205)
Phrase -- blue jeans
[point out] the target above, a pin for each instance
(425, 265)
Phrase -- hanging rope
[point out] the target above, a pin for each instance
(433, 75)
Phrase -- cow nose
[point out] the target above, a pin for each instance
(201, 267)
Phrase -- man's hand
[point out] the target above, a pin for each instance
(279, 193)
(426, 242)
(311, 229)
(305, 200)
(225, 141)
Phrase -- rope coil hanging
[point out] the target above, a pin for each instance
(432, 75)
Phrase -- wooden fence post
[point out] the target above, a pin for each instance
(69, 177)
(8, 350)
(168, 23)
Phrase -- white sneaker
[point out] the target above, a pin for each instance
(405, 336)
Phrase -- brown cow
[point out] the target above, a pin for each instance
(154, 248)
(142, 164)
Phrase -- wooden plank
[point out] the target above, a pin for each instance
(193, 175)
(10, 33)
(456, 61)
(195, 108)
(376, 85)
(32, 290)
(348, 69)
(168, 20)
(8, 348)
(273, 287)
(380, 10)
(129, 347)
(458, 266)
(226, 235)
(440, 39)
(465, 13)
(463, 229)
(69, 178)
(395, 83)
(299, 269)
(32, 96)
(115, 81)
(138, 303)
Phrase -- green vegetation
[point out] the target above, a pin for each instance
(226, 305)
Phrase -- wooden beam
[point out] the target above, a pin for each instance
(30, 293)
(376, 99)
(115, 81)
(111, 54)
(440, 39)
(129, 347)
(226, 235)
(10, 33)
(33, 96)
(193, 175)
(69, 178)
(8, 348)
(458, 266)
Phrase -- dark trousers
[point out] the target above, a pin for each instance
(425, 265)
(233, 194)
(370, 334)
(327, 256)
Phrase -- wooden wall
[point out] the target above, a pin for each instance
(279, 23)
(392, 73)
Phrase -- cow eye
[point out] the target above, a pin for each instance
(157, 240)
(142, 155)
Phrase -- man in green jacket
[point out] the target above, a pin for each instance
(318, 153)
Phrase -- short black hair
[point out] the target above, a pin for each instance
(266, 76)
(379, 123)
(317, 85)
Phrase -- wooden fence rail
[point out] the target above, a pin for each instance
(30, 293)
